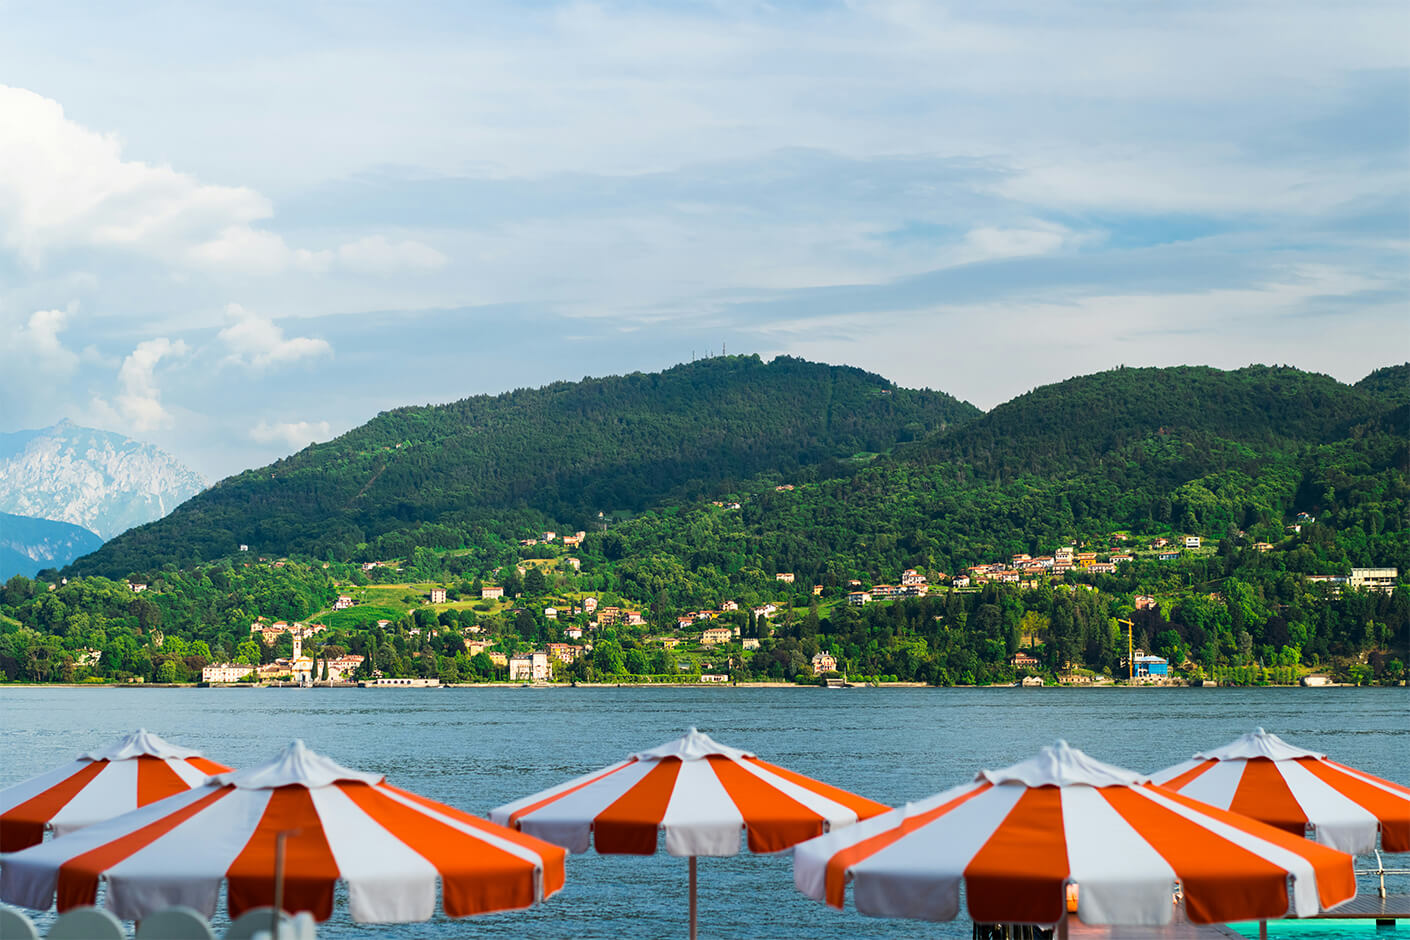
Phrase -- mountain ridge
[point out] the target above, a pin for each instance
(559, 454)
(100, 480)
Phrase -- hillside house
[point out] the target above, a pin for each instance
(438, 595)
(589, 604)
(823, 662)
(817, 590)
(491, 592)
(858, 598)
(549, 536)
(498, 658)
(635, 619)
(1192, 541)
(1169, 555)
(550, 613)
(1022, 660)
(343, 602)
(728, 606)
(750, 643)
(574, 633)
(714, 636)
(960, 581)
(912, 576)
(1263, 546)
(785, 576)
(565, 653)
(1374, 579)
(1144, 602)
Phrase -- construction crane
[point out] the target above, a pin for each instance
(1130, 650)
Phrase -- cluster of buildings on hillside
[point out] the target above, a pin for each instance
(548, 537)
(297, 667)
(913, 584)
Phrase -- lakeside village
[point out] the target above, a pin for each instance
(495, 635)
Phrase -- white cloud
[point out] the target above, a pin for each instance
(377, 255)
(293, 433)
(37, 343)
(139, 401)
(260, 342)
(62, 184)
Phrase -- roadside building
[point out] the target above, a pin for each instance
(225, 672)
(530, 667)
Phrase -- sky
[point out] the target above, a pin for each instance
(234, 228)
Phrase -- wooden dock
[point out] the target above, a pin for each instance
(1394, 907)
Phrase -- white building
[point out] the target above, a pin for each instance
(530, 667)
(1374, 579)
(225, 672)
(1192, 541)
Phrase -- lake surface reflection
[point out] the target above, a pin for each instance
(478, 748)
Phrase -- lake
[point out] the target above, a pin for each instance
(478, 748)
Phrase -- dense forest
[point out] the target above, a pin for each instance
(1287, 478)
(443, 475)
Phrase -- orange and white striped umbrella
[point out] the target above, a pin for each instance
(389, 846)
(1017, 838)
(704, 796)
(138, 769)
(1262, 776)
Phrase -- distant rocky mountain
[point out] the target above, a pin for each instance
(28, 545)
(104, 482)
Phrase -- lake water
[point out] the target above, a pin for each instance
(478, 748)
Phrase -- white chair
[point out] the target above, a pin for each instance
(251, 924)
(14, 925)
(302, 927)
(174, 923)
(87, 923)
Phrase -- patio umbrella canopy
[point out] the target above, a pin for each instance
(707, 798)
(133, 771)
(1262, 776)
(389, 846)
(703, 795)
(1016, 838)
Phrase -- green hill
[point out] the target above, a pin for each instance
(436, 476)
(1157, 451)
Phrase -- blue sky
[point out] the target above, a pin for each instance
(233, 229)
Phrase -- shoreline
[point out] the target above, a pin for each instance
(655, 685)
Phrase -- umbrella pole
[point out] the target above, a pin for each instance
(692, 897)
(1062, 927)
(278, 884)
(1263, 930)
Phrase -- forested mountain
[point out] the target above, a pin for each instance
(1181, 450)
(435, 476)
